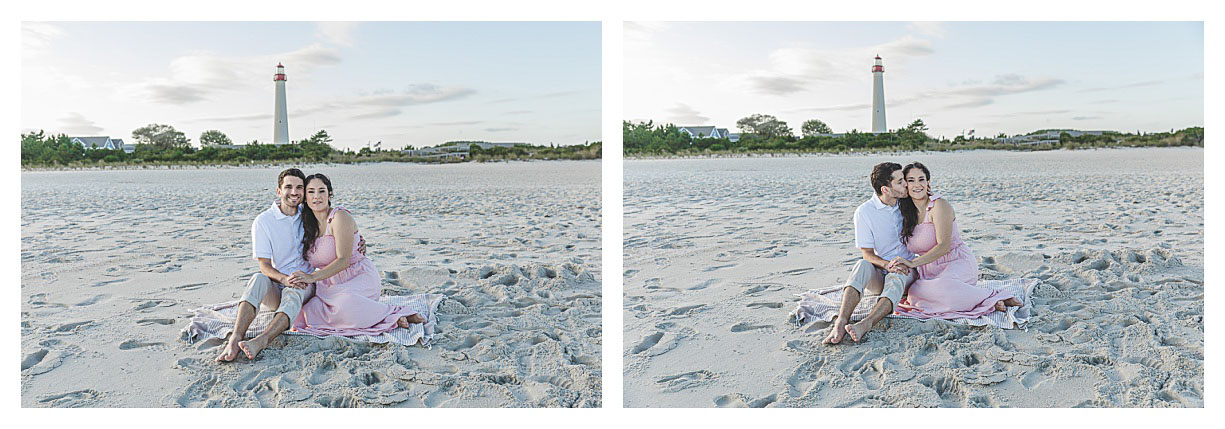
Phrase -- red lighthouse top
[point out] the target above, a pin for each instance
(280, 73)
(878, 67)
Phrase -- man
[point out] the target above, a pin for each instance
(878, 235)
(277, 237)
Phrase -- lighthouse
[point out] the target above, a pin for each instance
(280, 128)
(878, 97)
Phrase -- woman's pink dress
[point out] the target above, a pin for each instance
(348, 302)
(945, 287)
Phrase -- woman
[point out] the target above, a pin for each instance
(347, 285)
(947, 270)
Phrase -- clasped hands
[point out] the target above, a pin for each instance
(899, 265)
(299, 280)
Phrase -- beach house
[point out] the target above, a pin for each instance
(707, 132)
(99, 142)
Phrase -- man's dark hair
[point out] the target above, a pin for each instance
(882, 173)
(280, 180)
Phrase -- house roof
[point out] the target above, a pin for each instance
(704, 131)
(93, 141)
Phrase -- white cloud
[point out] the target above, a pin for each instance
(194, 77)
(338, 33)
(683, 114)
(641, 32)
(927, 28)
(36, 36)
(793, 70)
(77, 124)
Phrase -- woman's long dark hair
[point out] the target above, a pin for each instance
(310, 224)
(910, 213)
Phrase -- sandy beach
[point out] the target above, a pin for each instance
(113, 261)
(716, 251)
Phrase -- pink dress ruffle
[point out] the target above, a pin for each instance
(347, 303)
(945, 287)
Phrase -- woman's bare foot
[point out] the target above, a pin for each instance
(835, 334)
(229, 352)
(857, 331)
(252, 347)
(405, 321)
(1010, 302)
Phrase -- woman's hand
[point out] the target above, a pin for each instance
(299, 279)
(899, 265)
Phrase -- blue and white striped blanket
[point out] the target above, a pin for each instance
(217, 321)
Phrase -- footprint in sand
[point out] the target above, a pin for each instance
(923, 355)
(323, 373)
(108, 282)
(797, 271)
(739, 400)
(704, 285)
(71, 326)
(647, 342)
(92, 301)
(32, 359)
(134, 344)
(946, 387)
(1031, 380)
(150, 304)
(718, 267)
(746, 326)
(192, 286)
(684, 311)
(765, 305)
(679, 382)
(155, 321)
(80, 398)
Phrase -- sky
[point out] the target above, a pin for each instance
(399, 83)
(990, 77)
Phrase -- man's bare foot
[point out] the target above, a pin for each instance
(835, 334)
(999, 306)
(229, 352)
(405, 321)
(252, 347)
(857, 330)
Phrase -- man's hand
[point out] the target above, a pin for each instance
(298, 280)
(361, 245)
(899, 265)
(892, 265)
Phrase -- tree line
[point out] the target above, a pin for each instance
(161, 144)
(767, 134)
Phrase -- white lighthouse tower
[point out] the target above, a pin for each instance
(878, 98)
(280, 128)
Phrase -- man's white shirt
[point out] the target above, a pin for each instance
(279, 237)
(879, 226)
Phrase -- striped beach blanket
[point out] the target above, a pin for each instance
(217, 321)
(823, 304)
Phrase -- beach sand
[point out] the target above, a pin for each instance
(716, 251)
(112, 262)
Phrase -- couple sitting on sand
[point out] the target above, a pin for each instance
(306, 254)
(903, 219)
